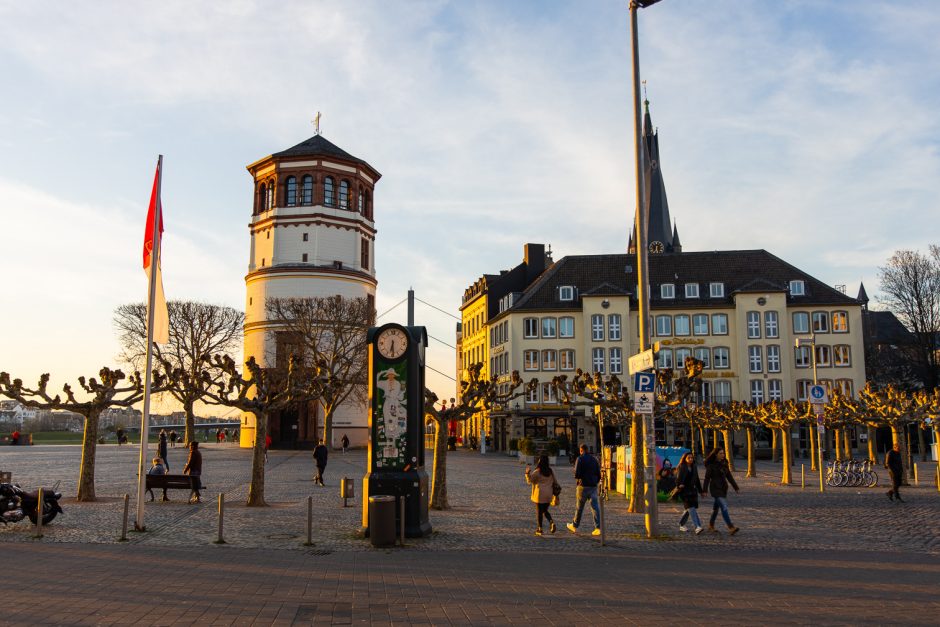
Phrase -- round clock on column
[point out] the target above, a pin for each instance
(392, 343)
(656, 247)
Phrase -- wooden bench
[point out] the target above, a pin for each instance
(172, 482)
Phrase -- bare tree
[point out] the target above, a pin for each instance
(106, 393)
(329, 332)
(197, 330)
(265, 391)
(910, 283)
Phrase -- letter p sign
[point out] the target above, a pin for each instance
(644, 382)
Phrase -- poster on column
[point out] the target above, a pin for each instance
(390, 427)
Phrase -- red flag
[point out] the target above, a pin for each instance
(161, 316)
(148, 230)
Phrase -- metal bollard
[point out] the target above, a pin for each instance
(309, 541)
(802, 475)
(39, 516)
(938, 476)
(127, 502)
(915, 474)
(603, 522)
(401, 528)
(220, 539)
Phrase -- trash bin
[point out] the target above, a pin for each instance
(382, 520)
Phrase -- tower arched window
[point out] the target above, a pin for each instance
(269, 202)
(262, 198)
(344, 195)
(307, 198)
(367, 204)
(291, 188)
(328, 199)
(361, 201)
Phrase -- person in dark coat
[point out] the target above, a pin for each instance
(717, 477)
(896, 470)
(587, 473)
(161, 450)
(345, 443)
(193, 468)
(320, 453)
(689, 486)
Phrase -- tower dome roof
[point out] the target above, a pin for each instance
(319, 146)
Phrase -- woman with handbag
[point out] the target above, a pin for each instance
(544, 490)
(689, 487)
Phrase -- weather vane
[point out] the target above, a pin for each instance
(316, 122)
(645, 96)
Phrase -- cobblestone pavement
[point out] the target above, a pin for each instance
(490, 508)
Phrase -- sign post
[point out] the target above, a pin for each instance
(644, 390)
(818, 397)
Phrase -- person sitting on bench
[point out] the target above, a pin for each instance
(158, 469)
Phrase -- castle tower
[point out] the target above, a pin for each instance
(312, 234)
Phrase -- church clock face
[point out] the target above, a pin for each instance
(656, 247)
(392, 343)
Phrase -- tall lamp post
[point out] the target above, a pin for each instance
(642, 273)
(820, 432)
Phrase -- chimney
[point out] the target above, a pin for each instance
(534, 262)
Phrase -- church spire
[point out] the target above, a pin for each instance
(659, 233)
(862, 297)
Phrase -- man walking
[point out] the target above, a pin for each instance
(896, 470)
(345, 443)
(587, 472)
(193, 468)
(320, 454)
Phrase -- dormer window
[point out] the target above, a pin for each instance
(566, 293)
(716, 290)
(691, 290)
(667, 290)
(797, 288)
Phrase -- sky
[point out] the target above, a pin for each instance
(808, 129)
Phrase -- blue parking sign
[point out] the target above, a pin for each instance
(644, 382)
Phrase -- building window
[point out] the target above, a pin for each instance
(845, 387)
(691, 290)
(304, 257)
(566, 359)
(797, 288)
(820, 322)
(548, 393)
(616, 361)
(681, 355)
(682, 324)
(721, 357)
(721, 392)
(613, 329)
(566, 293)
(822, 355)
(716, 290)
(291, 187)
(530, 327)
(548, 327)
(775, 390)
(328, 198)
(801, 357)
(364, 254)
(667, 290)
(597, 327)
(663, 326)
(800, 322)
(367, 211)
(262, 262)
(549, 360)
(840, 322)
(597, 360)
(531, 360)
(703, 354)
(842, 355)
(306, 237)
(771, 328)
(773, 358)
(344, 195)
(753, 325)
(755, 360)
(532, 396)
(802, 389)
(757, 391)
(307, 190)
(720, 324)
(566, 326)
(700, 324)
(665, 358)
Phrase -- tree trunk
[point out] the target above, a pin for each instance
(256, 487)
(847, 439)
(872, 445)
(837, 437)
(785, 478)
(439, 471)
(328, 425)
(774, 445)
(190, 431)
(86, 473)
(714, 439)
(702, 441)
(751, 470)
(636, 465)
(897, 437)
(922, 444)
(906, 450)
(813, 445)
(827, 442)
(692, 436)
(729, 447)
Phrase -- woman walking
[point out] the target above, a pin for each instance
(161, 450)
(542, 480)
(717, 477)
(689, 486)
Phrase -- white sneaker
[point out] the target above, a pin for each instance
(698, 530)
(572, 528)
(683, 528)
(596, 532)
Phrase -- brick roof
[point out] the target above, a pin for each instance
(319, 146)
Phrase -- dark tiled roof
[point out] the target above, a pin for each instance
(883, 327)
(319, 146)
(738, 270)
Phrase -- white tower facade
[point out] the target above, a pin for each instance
(312, 235)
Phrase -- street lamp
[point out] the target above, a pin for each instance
(820, 430)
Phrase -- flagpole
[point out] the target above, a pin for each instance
(145, 417)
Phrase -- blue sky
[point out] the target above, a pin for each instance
(809, 129)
